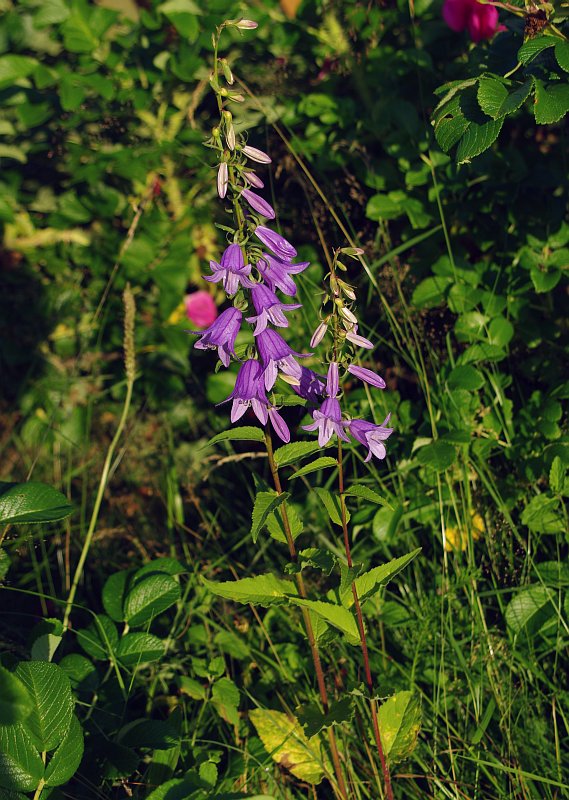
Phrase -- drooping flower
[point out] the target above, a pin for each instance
(277, 354)
(249, 392)
(221, 335)
(360, 341)
(232, 271)
(258, 204)
(222, 179)
(367, 375)
(269, 309)
(279, 425)
(276, 273)
(256, 155)
(276, 243)
(328, 421)
(481, 19)
(253, 179)
(371, 436)
(200, 308)
(311, 386)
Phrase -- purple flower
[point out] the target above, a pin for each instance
(256, 155)
(276, 273)
(249, 392)
(222, 179)
(360, 341)
(254, 180)
(258, 204)
(232, 270)
(276, 243)
(371, 435)
(311, 387)
(332, 380)
(367, 375)
(269, 309)
(221, 334)
(276, 354)
(280, 426)
(328, 421)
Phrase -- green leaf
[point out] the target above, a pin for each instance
(13, 68)
(263, 590)
(477, 138)
(313, 720)
(337, 616)
(399, 725)
(182, 15)
(369, 582)
(225, 698)
(533, 47)
(166, 564)
(544, 280)
(21, 767)
(562, 54)
(50, 691)
(100, 638)
(541, 515)
(15, 701)
(530, 609)
(150, 597)
(331, 503)
(318, 558)
(491, 94)
(113, 594)
(265, 504)
(4, 563)
(319, 463)
(66, 760)
(365, 493)
(551, 101)
(155, 734)
(246, 433)
(466, 377)
(430, 292)
(81, 672)
(500, 331)
(31, 502)
(381, 206)
(47, 636)
(291, 453)
(139, 648)
(275, 524)
(288, 745)
(438, 455)
(557, 475)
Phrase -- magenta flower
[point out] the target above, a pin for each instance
(200, 308)
(221, 334)
(269, 309)
(276, 243)
(280, 426)
(258, 204)
(371, 435)
(367, 375)
(249, 392)
(311, 387)
(256, 155)
(232, 271)
(276, 355)
(276, 273)
(480, 19)
(328, 420)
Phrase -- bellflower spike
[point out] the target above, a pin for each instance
(254, 180)
(222, 179)
(256, 155)
(328, 421)
(221, 334)
(258, 204)
(333, 380)
(311, 386)
(269, 309)
(360, 341)
(276, 354)
(249, 392)
(367, 375)
(276, 243)
(371, 436)
(280, 426)
(276, 273)
(232, 270)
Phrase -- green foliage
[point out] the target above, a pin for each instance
(31, 502)
(399, 723)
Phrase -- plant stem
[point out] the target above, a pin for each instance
(306, 618)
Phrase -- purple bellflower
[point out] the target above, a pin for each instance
(221, 334)
(269, 309)
(328, 419)
(311, 387)
(276, 243)
(276, 273)
(277, 355)
(371, 435)
(256, 155)
(249, 392)
(232, 271)
(258, 204)
(367, 375)
(280, 426)
(254, 180)
(360, 341)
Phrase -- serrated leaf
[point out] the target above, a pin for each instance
(291, 453)
(337, 616)
(265, 504)
(562, 54)
(152, 596)
(81, 672)
(65, 762)
(275, 523)
(319, 463)
(491, 94)
(478, 138)
(331, 503)
(15, 701)
(365, 493)
(225, 698)
(246, 433)
(399, 725)
(50, 691)
(556, 476)
(551, 102)
(288, 745)
(139, 648)
(530, 609)
(31, 502)
(541, 515)
(263, 590)
(21, 767)
(533, 47)
(371, 581)
(313, 720)
(15, 67)
(319, 558)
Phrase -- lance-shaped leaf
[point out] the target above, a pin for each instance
(31, 502)
(247, 433)
(369, 582)
(399, 725)
(359, 490)
(262, 590)
(319, 463)
(332, 504)
(337, 616)
(265, 504)
(290, 453)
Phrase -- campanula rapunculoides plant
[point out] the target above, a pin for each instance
(258, 264)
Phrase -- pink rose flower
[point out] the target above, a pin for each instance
(200, 308)
(480, 19)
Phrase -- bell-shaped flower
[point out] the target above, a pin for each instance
(367, 375)
(279, 425)
(232, 271)
(258, 204)
(276, 273)
(249, 392)
(277, 355)
(371, 435)
(276, 243)
(328, 421)
(269, 309)
(333, 380)
(311, 386)
(221, 335)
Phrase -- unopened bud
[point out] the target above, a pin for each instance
(227, 74)
(246, 25)
(215, 133)
(254, 180)
(347, 290)
(348, 315)
(224, 92)
(256, 155)
(230, 136)
(319, 334)
(237, 98)
(222, 179)
(353, 252)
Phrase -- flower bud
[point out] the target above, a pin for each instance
(227, 74)
(353, 252)
(222, 179)
(256, 155)
(319, 334)
(349, 315)
(237, 98)
(246, 25)
(230, 136)
(224, 92)
(253, 179)
(347, 289)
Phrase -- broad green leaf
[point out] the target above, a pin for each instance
(81, 672)
(263, 590)
(275, 523)
(477, 138)
(430, 292)
(175, 789)
(31, 502)
(139, 648)
(399, 725)
(246, 433)
(544, 280)
(150, 597)
(533, 47)
(382, 206)
(481, 352)
(15, 701)
(365, 493)
(438, 455)
(100, 639)
(369, 583)
(491, 94)
(155, 734)
(541, 515)
(562, 54)
(65, 762)
(319, 463)
(553, 573)
(331, 503)
(450, 129)
(265, 504)
(50, 691)
(313, 720)
(466, 377)
(318, 558)
(113, 594)
(47, 636)
(166, 564)
(337, 616)
(515, 99)
(288, 745)
(291, 453)
(530, 609)
(182, 15)
(557, 475)
(225, 698)
(13, 68)
(21, 767)
(551, 101)
(500, 331)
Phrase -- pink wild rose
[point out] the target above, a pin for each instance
(480, 19)
(200, 308)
